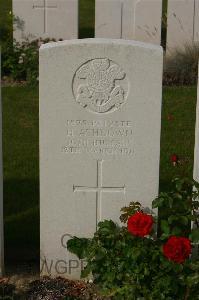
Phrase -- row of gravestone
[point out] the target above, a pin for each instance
(100, 121)
(128, 19)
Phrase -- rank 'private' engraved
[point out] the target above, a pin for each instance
(100, 85)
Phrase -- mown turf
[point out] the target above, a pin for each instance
(178, 129)
(5, 8)
(21, 169)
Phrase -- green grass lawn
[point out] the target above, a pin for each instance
(21, 167)
(178, 130)
(5, 7)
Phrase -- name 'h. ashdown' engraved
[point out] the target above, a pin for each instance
(98, 190)
(100, 85)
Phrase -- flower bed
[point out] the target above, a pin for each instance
(133, 262)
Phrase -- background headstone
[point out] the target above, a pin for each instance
(108, 19)
(100, 119)
(1, 190)
(129, 19)
(56, 19)
(196, 22)
(180, 23)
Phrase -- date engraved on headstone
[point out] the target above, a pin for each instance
(99, 137)
(100, 85)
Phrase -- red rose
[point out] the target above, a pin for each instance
(140, 224)
(170, 118)
(177, 249)
(174, 158)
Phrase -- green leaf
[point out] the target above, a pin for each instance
(196, 184)
(193, 279)
(172, 218)
(178, 196)
(194, 236)
(184, 220)
(155, 203)
(178, 185)
(78, 246)
(85, 272)
(170, 202)
(176, 231)
(164, 236)
(165, 226)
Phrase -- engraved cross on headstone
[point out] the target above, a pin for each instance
(98, 190)
(45, 8)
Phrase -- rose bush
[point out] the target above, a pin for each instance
(132, 261)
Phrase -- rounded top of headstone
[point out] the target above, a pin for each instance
(102, 41)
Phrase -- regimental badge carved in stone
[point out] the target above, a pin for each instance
(100, 85)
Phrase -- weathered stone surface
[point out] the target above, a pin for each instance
(100, 117)
(56, 19)
(108, 19)
(196, 22)
(129, 19)
(180, 24)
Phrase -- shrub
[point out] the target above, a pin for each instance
(181, 68)
(20, 61)
(131, 262)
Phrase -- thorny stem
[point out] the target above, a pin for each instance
(187, 293)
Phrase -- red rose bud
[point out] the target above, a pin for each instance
(177, 249)
(140, 224)
(170, 117)
(174, 159)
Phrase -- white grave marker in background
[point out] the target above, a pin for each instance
(100, 119)
(182, 23)
(1, 190)
(129, 19)
(56, 19)
(196, 22)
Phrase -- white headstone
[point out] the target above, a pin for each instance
(1, 191)
(100, 117)
(180, 24)
(129, 19)
(196, 22)
(56, 19)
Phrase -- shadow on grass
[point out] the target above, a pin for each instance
(21, 220)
